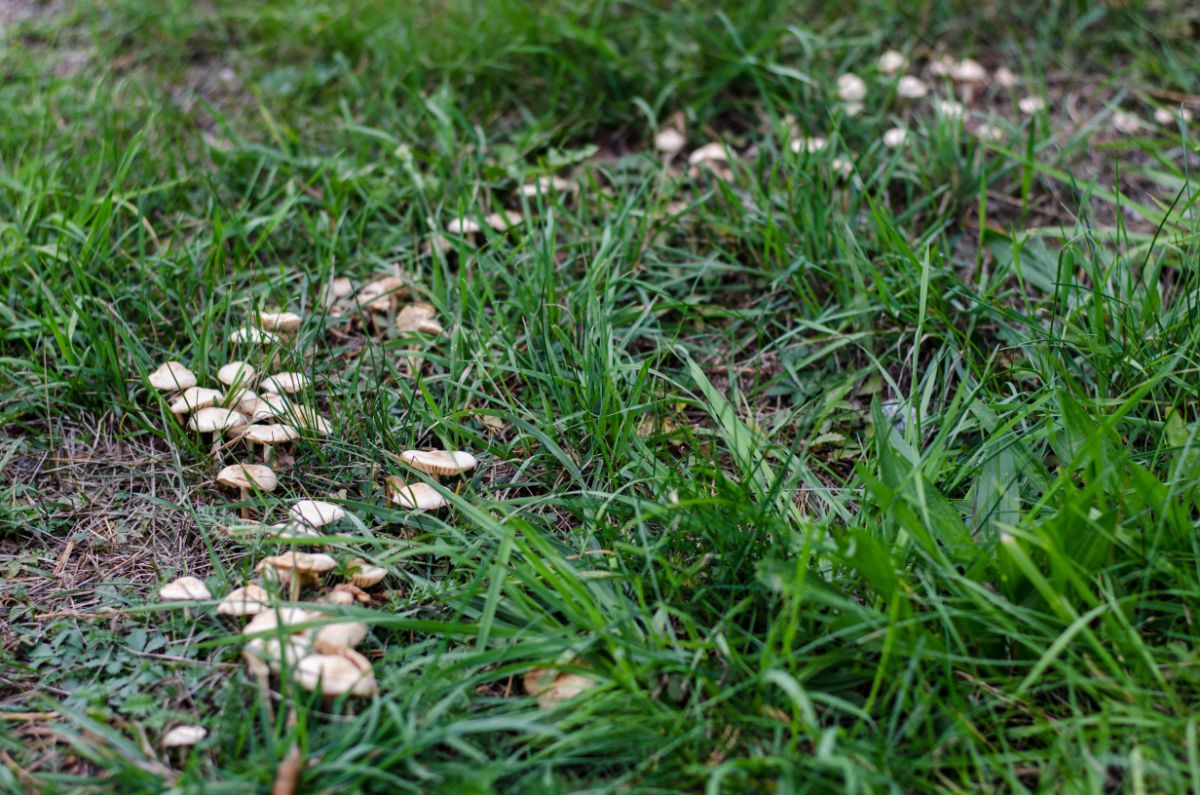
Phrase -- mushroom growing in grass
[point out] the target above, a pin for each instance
(248, 600)
(365, 575)
(419, 317)
(809, 144)
(709, 154)
(346, 594)
(268, 436)
(545, 185)
(501, 222)
(968, 70)
(184, 589)
(909, 87)
(415, 496)
(1031, 105)
(172, 377)
(895, 137)
(316, 513)
(288, 383)
(249, 335)
(296, 568)
(183, 737)
(852, 88)
(245, 477)
(1006, 78)
(195, 398)
(669, 142)
(336, 674)
(332, 638)
(891, 62)
(440, 463)
(281, 322)
(237, 374)
(215, 420)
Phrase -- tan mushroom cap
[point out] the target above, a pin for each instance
(287, 322)
(269, 434)
(307, 419)
(288, 382)
(240, 373)
(184, 589)
(502, 221)
(316, 513)
(382, 294)
(196, 397)
(210, 420)
(184, 736)
(546, 184)
(172, 377)
(278, 617)
(463, 226)
(551, 688)
(891, 62)
(267, 655)
(418, 497)
(330, 638)
(304, 562)
(347, 593)
(364, 574)
(968, 70)
(249, 600)
(252, 336)
(336, 674)
(670, 141)
(419, 317)
(255, 408)
(440, 462)
(712, 152)
(248, 476)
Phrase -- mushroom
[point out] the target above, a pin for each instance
(244, 477)
(955, 111)
(809, 144)
(842, 166)
(285, 382)
(1126, 122)
(195, 397)
(267, 435)
(296, 567)
(891, 62)
(382, 294)
(184, 736)
(502, 221)
(250, 335)
(895, 137)
(852, 88)
(440, 463)
(1031, 105)
(276, 618)
(283, 322)
(307, 419)
(237, 374)
(968, 70)
(1006, 78)
(332, 638)
(248, 600)
(267, 655)
(215, 420)
(418, 317)
(463, 226)
(709, 154)
(989, 132)
(551, 688)
(364, 575)
(172, 377)
(347, 593)
(909, 87)
(316, 513)
(545, 185)
(336, 674)
(415, 497)
(670, 142)
(184, 589)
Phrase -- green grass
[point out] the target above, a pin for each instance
(887, 483)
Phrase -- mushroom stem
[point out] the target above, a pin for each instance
(245, 496)
(187, 614)
(294, 585)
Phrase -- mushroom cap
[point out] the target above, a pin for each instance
(463, 226)
(1126, 121)
(336, 674)
(288, 382)
(852, 88)
(347, 593)
(502, 221)
(440, 462)
(184, 589)
(968, 70)
(910, 87)
(342, 635)
(895, 137)
(305, 562)
(809, 144)
(248, 600)
(564, 686)
(248, 476)
(1031, 105)
(418, 497)
(891, 62)
(269, 434)
(239, 373)
(290, 530)
(713, 152)
(1006, 78)
(172, 377)
(382, 294)
(251, 335)
(307, 419)
(196, 397)
(418, 317)
(316, 513)
(266, 654)
(215, 419)
(183, 736)
(278, 616)
(955, 111)
(364, 574)
(670, 141)
(287, 322)
(545, 185)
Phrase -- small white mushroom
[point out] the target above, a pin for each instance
(336, 674)
(1006, 78)
(440, 463)
(416, 496)
(248, 600)
(1031, 105)
(809, 144)
(851, 88)
(249, 335)
(172, 377)
(316, 513)
(184, 736)
(895, 137)
(283, 322)
(713, 152)
(669, 141)
(909, 87)
(891, 62)
(194, 398)
(968, 70)
(289, 383)
(239, 374)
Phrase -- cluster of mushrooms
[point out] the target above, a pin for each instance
(968, 77)
(306, 639)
